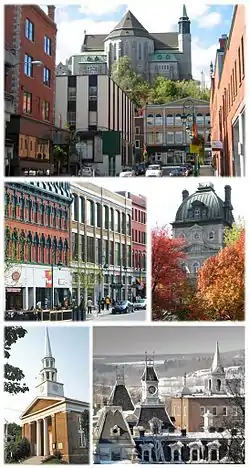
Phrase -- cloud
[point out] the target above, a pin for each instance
(201, 59)
(210, 21)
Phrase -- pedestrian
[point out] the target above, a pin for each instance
(89, 304)
(102, 303)
(39, 305)
(82, 311)
(107, 302)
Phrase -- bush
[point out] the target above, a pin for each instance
(16, 451)
(57, 454)
(24, 447)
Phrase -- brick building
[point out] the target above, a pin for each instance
(30, 50)
(37, 243)
(139, 242)
(53, 422)
(227, 103)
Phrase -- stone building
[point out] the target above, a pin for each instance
(201, 220)
(37, 241)
(166, 54)
(53, 422)
(101, 243)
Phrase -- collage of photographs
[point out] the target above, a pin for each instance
(124, 217)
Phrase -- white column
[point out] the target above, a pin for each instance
(38, 438)
(45, 437)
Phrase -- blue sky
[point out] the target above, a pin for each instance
(70, 348)
(208, 22)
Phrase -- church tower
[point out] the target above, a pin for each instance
(48, 386)
(184, 40)
(150, 383)
(216, 380)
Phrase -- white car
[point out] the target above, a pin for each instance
(86, 172)
(127, 173)
(154, 170)
(141, 304)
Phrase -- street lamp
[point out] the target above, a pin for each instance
(59, 265)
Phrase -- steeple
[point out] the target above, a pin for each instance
(48, 385)
(216, 364)
(120, 395)
(184, 22)
(185, 391)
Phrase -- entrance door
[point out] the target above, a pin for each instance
(50, 443)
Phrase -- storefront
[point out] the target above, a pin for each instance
(27, 285)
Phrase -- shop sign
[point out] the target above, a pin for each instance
(217, 145)
(48, 279)
(16, 275)
(195, 149)
(13, 290)
(62, 282)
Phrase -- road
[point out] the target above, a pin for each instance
(137, 315)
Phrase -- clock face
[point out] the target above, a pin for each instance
(42, 389)
(152, 389)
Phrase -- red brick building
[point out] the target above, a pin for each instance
(37, 236)
(139, 241)
(30, 51)
(227, 104)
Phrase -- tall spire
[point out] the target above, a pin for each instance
(216, 364)
(184, 12)
(184, 22)
(47, 347)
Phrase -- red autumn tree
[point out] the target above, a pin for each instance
(221, 282)
(168, 276)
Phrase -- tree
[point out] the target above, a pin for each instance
(221, 281)
(13, 375)
(231, 235)
(168, 276)
(85, 426)
(14, 432)
(59, 158)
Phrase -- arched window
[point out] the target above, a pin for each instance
(211, 235)
(158, 119)
(22, 245)
(176, 455)
(42, 247)
(218, 385)
(48, 245)
(207, 119)
(114, 52)
(60, 248)
(194, 455)
(200, 120)
(29, 246)
(111, 219)
(178, 121)
(54, 250)
(210, 384)
(36, 247)
(170, 120)
(197, 213)
(213, 456)
(196, 235)
(195, 267)
(150, 119)
(66, 250)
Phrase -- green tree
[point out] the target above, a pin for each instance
(59, 158)
(124, 75)
(14, 432)
(232, 234)
(13, 375)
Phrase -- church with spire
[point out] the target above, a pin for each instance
(52, 422)
(166, 54)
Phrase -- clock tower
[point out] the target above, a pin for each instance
(48, 386)
(150, 383)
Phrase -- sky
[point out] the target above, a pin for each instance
(70, 348)
(166, 339)
(166, 197)
(208, 22)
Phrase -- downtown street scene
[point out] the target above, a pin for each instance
(198, 251)
(74, 252)
(174, 396)
(91, 91)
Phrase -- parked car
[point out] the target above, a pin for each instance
(154, 170)
(123, 307)
(141, 304)
(176, 172)
(86, 172)
(190, 168)
(140, 169)
(127, 172)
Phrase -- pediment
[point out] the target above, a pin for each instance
(40, 404)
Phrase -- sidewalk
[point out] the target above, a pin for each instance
(94, 315)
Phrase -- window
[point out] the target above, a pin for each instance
(196, 236)
(139, 51)
(200, 120)
(196, 267)
(170, 138)
(137, 130)
(178, 137)
(224, 411)
(71, 94)
(93, 93)
(45, 110)
(242, 56)
(71, 118)
(170, 120)
(235, 77)
(90, 213)
(151, 138)
(150, 119)
(46, 76)
(158, 138)
(47, 45)
(211, 235)
(28, 67)
(214, 411)
(178, 121)
(197, 213)
(207, 119)
(137, 143)
(27, 103)
(213, 455)
(29, 30)
(202, 410)
(158, 119)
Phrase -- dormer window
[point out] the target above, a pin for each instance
(197, 213)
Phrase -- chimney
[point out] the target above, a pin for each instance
(223, 41)
(185, 194)
(228, 194)
(51, 12)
